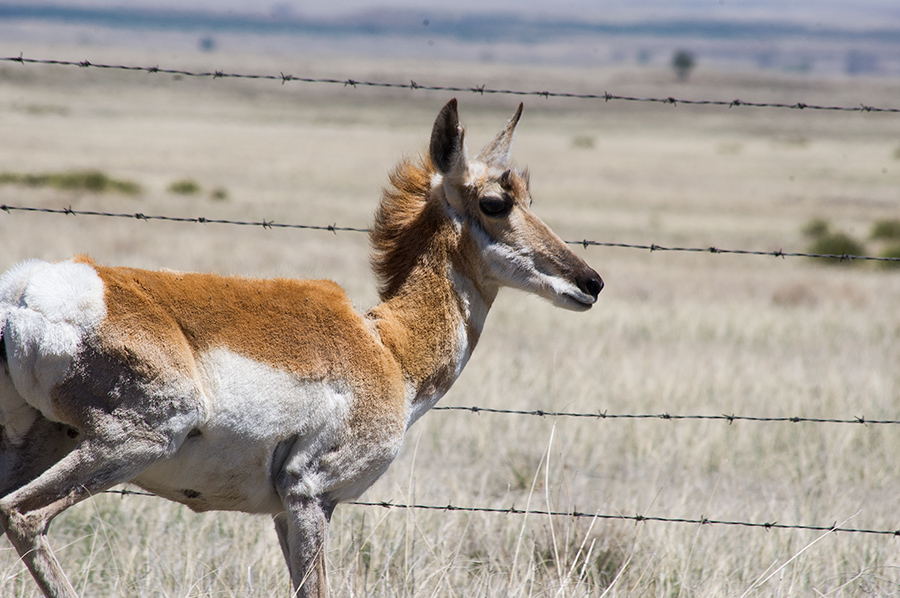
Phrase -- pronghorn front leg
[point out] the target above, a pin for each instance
(303, 533)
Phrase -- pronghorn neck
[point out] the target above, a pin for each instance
(432, 329)
(434, 303)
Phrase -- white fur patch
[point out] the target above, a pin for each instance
(517, 268)
(252, 408)
(46, 310)
(13, 281)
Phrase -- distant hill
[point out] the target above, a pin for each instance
(725, 39)
(480, 26)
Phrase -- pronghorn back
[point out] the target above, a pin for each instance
(263, 396)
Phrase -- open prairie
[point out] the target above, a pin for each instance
(673, 333)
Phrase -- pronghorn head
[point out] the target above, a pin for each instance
(492, 202)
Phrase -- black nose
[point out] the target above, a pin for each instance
(592, 285)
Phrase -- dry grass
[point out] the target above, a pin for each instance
(677, 333)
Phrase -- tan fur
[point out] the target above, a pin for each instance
(307, 327)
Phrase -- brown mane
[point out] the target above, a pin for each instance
(405, 224)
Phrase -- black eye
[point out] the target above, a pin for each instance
(493, 205)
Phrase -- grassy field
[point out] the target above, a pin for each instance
(677, 333)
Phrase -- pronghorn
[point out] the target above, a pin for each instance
(263, 396)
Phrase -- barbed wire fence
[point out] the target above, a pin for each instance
(334, 228)
(475, 89)
(603, 415)
(450, 508)
(476, 410)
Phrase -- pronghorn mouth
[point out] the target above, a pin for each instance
(580, 302)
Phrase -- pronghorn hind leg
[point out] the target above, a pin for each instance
(24, 459)
(95, 464)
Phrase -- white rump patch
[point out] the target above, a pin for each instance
(46, 311)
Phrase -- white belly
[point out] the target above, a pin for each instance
(256, 414)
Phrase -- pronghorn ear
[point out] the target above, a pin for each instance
(448, 149)
(496, 153)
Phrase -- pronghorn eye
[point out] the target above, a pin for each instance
(493, 205)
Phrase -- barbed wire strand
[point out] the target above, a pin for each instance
(670, 416)
(449, 508)
(268, 224)
(478, 89)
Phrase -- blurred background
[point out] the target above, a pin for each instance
(673, 333)
(799, 36)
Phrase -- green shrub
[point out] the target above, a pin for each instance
(583, 142)
(817, 228)
(185, 187)
(885, 230)
(219, 194)
(838, 244)
(76, 180)
(892, 250)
